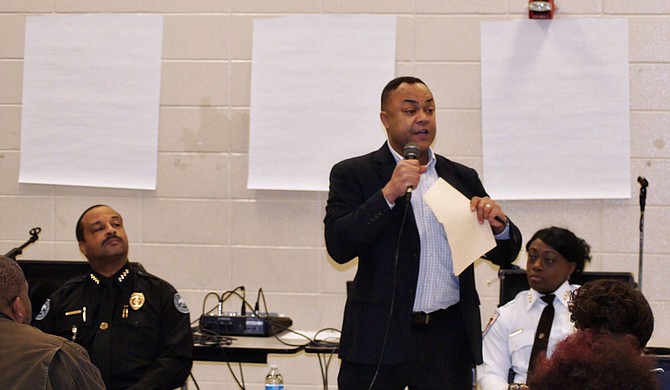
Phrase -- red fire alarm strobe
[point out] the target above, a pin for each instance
(540, 9)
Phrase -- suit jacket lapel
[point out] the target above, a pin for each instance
(448, 173)
(384, 162)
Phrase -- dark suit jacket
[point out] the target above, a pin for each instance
(359, 223)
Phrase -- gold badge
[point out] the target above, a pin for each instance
(136, 300)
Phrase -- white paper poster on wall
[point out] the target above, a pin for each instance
(315, 94)
(555, 109)
(91, 100)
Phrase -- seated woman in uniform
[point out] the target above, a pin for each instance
(554, 254)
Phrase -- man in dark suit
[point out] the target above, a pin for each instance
(409, 320)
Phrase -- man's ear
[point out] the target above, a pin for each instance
(383, 116)
(19, 311)
(82, 247)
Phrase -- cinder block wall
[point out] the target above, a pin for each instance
(204, 231)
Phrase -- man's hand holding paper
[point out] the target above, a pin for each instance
(466, 224)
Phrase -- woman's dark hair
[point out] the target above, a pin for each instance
(589, 360)
(612, 306)
(571, 247)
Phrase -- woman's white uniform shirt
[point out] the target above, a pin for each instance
(508, 338)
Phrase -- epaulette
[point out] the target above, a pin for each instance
(146, 274)
(75, 280)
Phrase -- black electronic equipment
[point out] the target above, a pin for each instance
(245, 325)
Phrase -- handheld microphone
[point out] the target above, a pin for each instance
(410, 152)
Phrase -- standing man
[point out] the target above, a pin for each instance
(409, 320)
(32, 359)
(134, 325)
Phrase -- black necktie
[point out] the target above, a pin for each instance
(543, 331)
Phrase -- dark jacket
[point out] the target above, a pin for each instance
(32, 359)
(359, 223)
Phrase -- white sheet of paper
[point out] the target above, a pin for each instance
(468, 239)
(315, 89)
(555, 109)
(91, 93)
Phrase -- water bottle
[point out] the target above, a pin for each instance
(274, 380)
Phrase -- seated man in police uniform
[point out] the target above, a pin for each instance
(554, 254)
(134, 325)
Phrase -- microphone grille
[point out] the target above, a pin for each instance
(411, 151)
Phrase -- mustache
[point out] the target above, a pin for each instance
(112, 237)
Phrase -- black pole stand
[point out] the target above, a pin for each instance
(34, 236)
(643, 200)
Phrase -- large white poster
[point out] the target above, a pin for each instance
(91, 99)
(315, 95)
(555, 109)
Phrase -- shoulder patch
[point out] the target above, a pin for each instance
(44, 310)
(180, 304)
(492, 321)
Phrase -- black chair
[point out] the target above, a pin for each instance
(662, 357)
(512, 281)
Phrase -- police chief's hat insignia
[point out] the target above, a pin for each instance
(136, 300)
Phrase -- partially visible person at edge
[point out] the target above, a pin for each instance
(594, 360)
(432, 337)
(614, 322)
(554, 255)
(134, 325)
(32, 359)
(613, 306)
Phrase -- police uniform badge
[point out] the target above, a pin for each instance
(136, 300)
(180, 304)
(44, 310)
